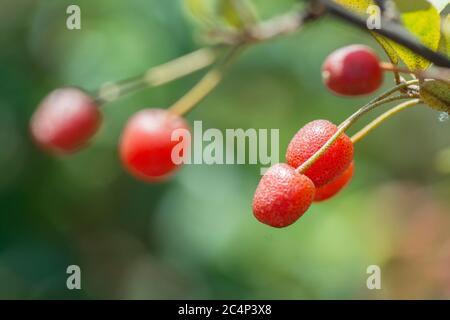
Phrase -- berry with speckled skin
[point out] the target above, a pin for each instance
(352, 71)
(282, 196)
(310, 139)
(332, 188)
(146, 144)
(65, 120)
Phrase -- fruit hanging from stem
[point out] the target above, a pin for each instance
(282, 196)
(146, 144)
(65, 120)
(334, 187)
(352, 71)
(309, 140)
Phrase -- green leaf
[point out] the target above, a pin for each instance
(436, 94)
(200, 10)
(236, 13)
(229, 12)
(422, 19)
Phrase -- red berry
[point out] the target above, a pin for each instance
(65, 120)
(352, 71)
(283, 195)
(310, 139)
(146, 144)
(332, 188)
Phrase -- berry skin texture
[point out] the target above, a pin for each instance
(310, 139)
(146, 144)
(332, 188)
(282, 196)
(65, 120)
(352, 71)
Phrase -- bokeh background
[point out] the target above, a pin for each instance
(195, 236)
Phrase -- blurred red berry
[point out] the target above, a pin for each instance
(146, 144)
(65, 120)
(282, 196)
(310, 139)
(352, 71)
(332, 188)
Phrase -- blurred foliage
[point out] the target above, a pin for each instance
(195, 236)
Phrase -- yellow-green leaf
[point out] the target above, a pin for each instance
(386, 45)
(200, 10)
(444, 46)
(359, 6)
(236, 13)
(422, 19)
(229, 11)
(436, 94)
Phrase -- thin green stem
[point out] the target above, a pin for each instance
(343, 127)
(398, 87)
(158, 75)
(385, 116)
(205, 85)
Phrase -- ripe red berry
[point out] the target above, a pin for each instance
(310, 139)
(282, 196)
(352, 71)
(65, 120)
(146, 144)
(332, 188)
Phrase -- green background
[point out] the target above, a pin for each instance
(195, 236)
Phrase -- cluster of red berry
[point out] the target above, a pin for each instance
(68, 117)
(284, 194)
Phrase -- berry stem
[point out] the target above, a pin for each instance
(398, 87)
(397, 78)
(210, 81)
(158, 75)
(387, 66)
(434, 72)
(383, 117)
(343, 127)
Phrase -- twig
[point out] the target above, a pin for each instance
(158, 75)
(205, 85)
(381, 4)
(291, 22)
(281, 25)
